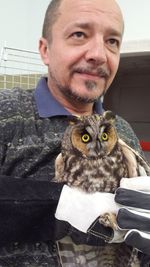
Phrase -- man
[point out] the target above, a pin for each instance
(87, 51)
(80, 45)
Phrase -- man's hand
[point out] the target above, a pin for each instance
(134, 196)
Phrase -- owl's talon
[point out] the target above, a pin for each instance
(109, 220)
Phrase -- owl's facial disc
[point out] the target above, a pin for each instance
(93, 141)
(80, 138)
(107, 137)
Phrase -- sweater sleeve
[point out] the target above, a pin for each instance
(126, 133)
(27, 204)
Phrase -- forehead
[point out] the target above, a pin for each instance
(90, 11)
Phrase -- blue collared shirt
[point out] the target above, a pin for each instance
(48, 106)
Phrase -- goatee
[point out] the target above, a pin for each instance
(72, 96)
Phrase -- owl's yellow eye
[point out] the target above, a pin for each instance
(104, 136)
(85, 138)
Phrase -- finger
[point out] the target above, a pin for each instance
(130, 220)
(139, 240)
(132, 198)
(140, 183)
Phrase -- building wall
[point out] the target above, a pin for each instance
(129, 97)
(26, 81)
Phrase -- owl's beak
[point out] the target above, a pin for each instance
(98, 146)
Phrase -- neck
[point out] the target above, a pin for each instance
(79, 109)
(75, 107)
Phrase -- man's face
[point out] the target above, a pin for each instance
(83, 56)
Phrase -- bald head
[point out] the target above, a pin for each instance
(58, 7)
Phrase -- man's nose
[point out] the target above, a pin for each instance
(96, 52)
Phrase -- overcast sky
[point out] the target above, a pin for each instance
(21, 21)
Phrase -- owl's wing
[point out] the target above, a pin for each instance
(137, 166)
(59, 168)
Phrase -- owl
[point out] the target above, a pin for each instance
(94, 159)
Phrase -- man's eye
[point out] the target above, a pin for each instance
(114, 42)
(79, 35)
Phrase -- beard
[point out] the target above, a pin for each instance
(71, 93)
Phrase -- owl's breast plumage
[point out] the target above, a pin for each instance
(91, 175)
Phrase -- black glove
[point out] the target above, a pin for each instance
(135, 212)
(97, 234)
(27, 209)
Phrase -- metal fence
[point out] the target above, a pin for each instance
(20, 68)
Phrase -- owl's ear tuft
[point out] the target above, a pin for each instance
(74, 119)
(109, 115)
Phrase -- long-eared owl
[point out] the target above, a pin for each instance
(94, 158)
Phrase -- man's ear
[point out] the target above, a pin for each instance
(44, 50)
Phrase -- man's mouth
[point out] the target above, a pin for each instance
(92, 75)
(89, 75)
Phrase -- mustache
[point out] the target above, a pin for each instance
(99, 71)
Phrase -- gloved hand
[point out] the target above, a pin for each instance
(78, 214)
(134, 196)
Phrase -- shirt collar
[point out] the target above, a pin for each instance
(48, 106)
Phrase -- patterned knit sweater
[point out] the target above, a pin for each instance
(28, 148)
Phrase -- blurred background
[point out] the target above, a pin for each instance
(21, 21)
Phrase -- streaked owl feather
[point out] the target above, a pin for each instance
(94, 158)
